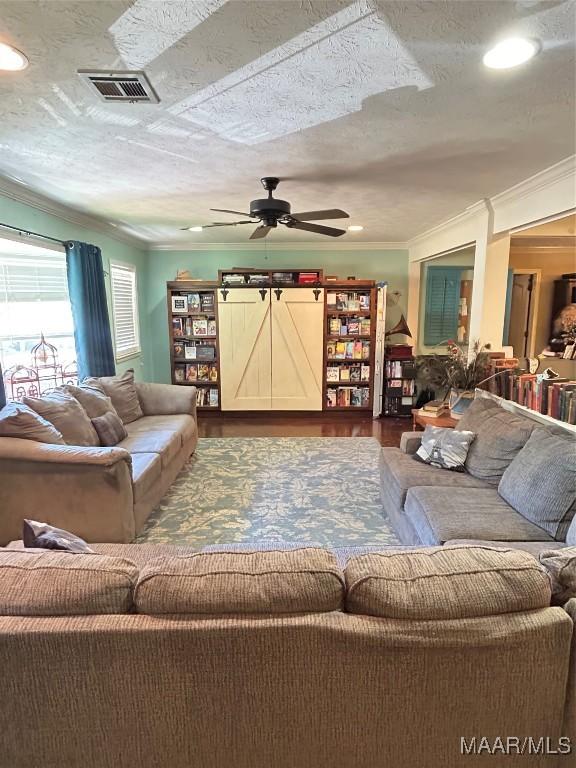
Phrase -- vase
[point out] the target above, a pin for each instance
(459, 401)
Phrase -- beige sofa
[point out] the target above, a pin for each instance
(100, 494)
(278, 659)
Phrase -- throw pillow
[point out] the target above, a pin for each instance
(500, 435)
(94, 402)
(110, 429)
(444, 447)
(67, 415)
(17, 420)
(561, 567)
(43, 536)
(122, 391)
(541, 482)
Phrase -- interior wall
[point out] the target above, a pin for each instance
(29, 218)
(390, 265)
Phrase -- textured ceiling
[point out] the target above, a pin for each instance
(381, 108)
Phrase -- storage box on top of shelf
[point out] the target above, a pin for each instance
(400, 351)
(306, 278)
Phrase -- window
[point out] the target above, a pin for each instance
(442, 304)
(125, 310)
(37, 349)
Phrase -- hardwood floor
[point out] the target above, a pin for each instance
(386, 430)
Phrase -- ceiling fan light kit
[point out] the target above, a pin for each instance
(271, 211)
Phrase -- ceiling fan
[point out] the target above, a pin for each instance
(270, 212)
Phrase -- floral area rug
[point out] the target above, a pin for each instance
(310, 490)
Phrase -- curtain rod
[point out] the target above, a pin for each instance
(33, 234)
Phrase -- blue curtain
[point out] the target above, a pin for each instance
(95, 355)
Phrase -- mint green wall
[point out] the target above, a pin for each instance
(20, 215)
(391, 266)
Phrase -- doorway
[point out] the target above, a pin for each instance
(523, 297)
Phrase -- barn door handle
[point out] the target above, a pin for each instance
(263, 293)
(278, 292)
(224, 292)
(316, 293)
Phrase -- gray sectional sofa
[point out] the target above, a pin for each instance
(519, 486)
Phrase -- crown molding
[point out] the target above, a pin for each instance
(22, 194)
(565, 169)
(269, 247)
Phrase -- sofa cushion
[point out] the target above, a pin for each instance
(282, 581)
(93, 400)
(17, 420)
(67, 415)
(109, 428)
(533, 548)
(182, 423)
(399, 472)
(571, 533)
(139, 554)
(440, 514)
(146, 471)
(500, 435)
(47, 583)
(167, 444)
(122, 391)
(561, 565)
(445, 583)
(541, 482)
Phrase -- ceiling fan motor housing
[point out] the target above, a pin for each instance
(269, 210)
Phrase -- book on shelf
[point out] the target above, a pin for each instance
(203, 371)
(549, 396)
(199, 326)
(365, 301)
(348, 397)
(365, 326)
(177, 326)
(213, 398)
(207, 302)
(349, 301)
(354, 373)
(333, 373)
(178, 349)
(353, 326)
(331, 350)
(190, 352)
(179, 373)
(331, 298)
(364, 372)
(344, 373)
(191, 372)
(211, 328)
(334, 326)
(205, 352)
(213, 373)
(179, 303)
(194, 303)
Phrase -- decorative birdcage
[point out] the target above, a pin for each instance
(20, 381)
(45, 361)
(69, 373)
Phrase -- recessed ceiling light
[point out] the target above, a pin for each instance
(194, 229)
(11, 59)
(510, 53)
(355, 228)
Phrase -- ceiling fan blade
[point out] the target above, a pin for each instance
(260, 232)
(225, 210)
(318, 228)
(331, 213)
(226, 224)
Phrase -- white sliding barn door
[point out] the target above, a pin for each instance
(297, 349)
(245, 354)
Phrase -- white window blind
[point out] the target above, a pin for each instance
(125, 310)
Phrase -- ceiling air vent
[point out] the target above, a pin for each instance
(120, 86)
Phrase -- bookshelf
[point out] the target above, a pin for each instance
(193, 333)
(399, 383)
(349, 345)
